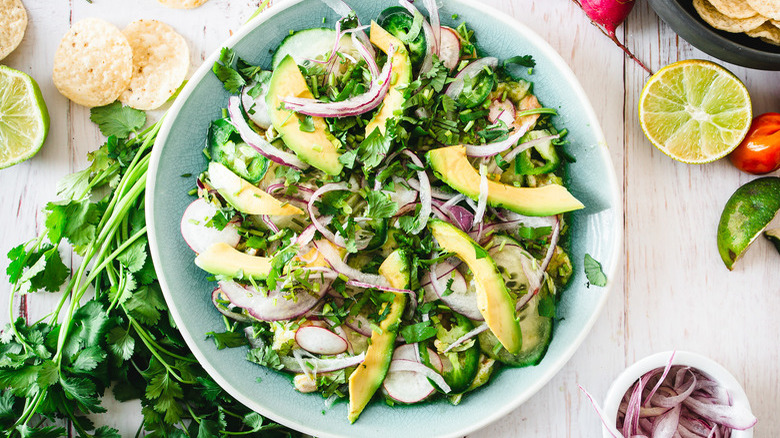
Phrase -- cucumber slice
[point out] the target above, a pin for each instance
(460, 365)
(536, 322)
(308, 44)
(226, 147)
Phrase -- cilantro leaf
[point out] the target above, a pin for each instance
(479, 252)
(306, 124)
(418, 332)
(117, 119)
(348, 158)
(106, 432)
(265, 356)
(121, 343)
(134, 257)
(373, 149)
(15, 268)
(146, 304)
(380, 205)
(228, 339)
(83, 392)
(593, 272)
(88, 359)
(225, 71)
(524, 61)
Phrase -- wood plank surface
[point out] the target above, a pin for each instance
(672, 291)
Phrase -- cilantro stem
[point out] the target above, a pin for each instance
(141, 334)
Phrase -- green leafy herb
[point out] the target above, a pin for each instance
(226, 72)
(306, 124)
(593, 272)
(373, 149)
(380, 205)
(418, 332)
(524, 61)
(117, 119)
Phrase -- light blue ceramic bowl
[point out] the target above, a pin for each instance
(595, 230)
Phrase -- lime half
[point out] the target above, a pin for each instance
(695, 111)
(24, 120)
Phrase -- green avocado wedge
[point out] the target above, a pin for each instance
(222, 259)
(453, 167)
(370, 374)
(318, 147)
(746, 214)
(494, 300)
(402, 75)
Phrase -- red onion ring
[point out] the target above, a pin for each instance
(425, 192)
(456, 86)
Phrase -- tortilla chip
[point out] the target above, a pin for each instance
(767, 33)
(767, 8)
(734, 8)
(93, 64)
(182, 4)
(775, 23)
(161, 59)
(719, 21)
(13, 22)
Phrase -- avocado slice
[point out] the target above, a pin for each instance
(495, 302)
(318, 148)
(368, 376)
(222, 259)
(452, 166)
(246, 197)
(401, 76)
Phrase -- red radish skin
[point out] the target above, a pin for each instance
(449, 48)
(406, 352)
(319, 340)
(607, 15)
(407, 386)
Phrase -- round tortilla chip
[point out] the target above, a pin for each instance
(161, 59)
(182, 4)
(719, 21)
(767, 8)
(93, 64)
(767, 33)
(775, 23)
(734, 8)
(13, 22)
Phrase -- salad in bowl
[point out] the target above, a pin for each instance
(383, 210)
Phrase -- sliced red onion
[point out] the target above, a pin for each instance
(453, 91)
(349, 107)
(554, 236)
(364, 285)
(433, 17)
(359, 323)
(334, 260)
(320, 226)
(610, 427)
(477, 330)
(321, 365)
(462, 300)
(483, 194)
(306, 236)
(425, 193)
(503, 110)
(269, 223)
(734, 417)
(339, 7)
(256, 141)
(271, 305)
(522, 147)
(367, 54)
(435, 193)
(493, 149)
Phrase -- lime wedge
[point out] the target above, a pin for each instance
(695, 111)
(24, 120)
(749, 210)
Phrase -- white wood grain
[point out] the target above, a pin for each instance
(672, 291)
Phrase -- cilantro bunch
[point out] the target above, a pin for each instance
(111, 329)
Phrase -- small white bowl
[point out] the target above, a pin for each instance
(659, 360)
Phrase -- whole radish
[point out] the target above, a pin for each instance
(607, 15)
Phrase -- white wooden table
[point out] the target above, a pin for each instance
(671, 292)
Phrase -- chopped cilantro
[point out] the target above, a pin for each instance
(594, 272)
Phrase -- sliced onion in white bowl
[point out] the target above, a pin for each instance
(200, 237)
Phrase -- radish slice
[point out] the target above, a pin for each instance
(318, 365)
(200, 237)
(502, 110)
(407, 381)
(449, 48)
(319, 340)
(271, 305)
(215, 297)
(256, 108)
(410, 352)
(461, 300)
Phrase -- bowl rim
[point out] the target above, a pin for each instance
(632, 373)
(712, 41)
(561, 68)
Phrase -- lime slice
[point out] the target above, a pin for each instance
(695, 111)
(24, 120)
(747, 212)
